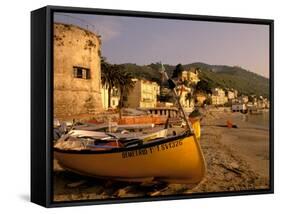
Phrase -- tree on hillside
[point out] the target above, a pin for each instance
(177, 71)
(204, 86)
(155, 66)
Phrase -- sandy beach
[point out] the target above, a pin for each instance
(236, 159)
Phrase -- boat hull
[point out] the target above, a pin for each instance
(176, 160)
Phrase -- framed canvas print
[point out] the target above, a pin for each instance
(138, 106)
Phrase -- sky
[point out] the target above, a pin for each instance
(149, 40)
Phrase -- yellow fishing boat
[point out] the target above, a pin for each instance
(174, 159)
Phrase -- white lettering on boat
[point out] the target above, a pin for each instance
(151, 150)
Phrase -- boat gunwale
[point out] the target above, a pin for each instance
(117, 150)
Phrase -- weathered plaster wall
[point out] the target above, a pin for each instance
(74, 46)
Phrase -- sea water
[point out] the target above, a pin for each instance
(259, 120)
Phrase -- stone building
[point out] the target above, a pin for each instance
(77, 72)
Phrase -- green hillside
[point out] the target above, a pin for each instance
(223, 76)
(244, 81)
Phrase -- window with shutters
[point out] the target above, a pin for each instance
(81, 73)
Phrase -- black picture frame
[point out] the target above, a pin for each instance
(42, 102)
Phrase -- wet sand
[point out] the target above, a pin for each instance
(236, 159)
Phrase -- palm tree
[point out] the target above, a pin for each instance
(114, 76)
(125, 84)
(177, 71)
(109, 77)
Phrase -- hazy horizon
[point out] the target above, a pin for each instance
(149, 40)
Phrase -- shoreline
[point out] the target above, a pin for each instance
(249, 141)
(236, 159)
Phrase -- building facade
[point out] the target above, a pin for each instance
(191, 76)
(230, 95)
(114, 98)
(143, 95)
(186, 98)
(200, 98)
(218, 96)
(77, 74)
(244, 99)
